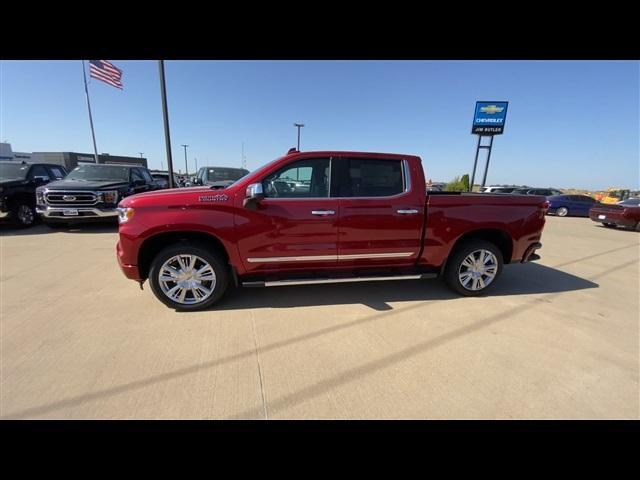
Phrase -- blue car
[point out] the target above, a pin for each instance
(575, 205)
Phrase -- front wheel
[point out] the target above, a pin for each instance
(562, 212)
(473, 267)
(188, 276)
(24, 215)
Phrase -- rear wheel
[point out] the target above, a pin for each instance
(187, 276)
(474, 267)
(562, 211)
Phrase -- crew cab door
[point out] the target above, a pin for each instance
(381, 211)
(295, 226)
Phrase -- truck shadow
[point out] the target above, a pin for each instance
(524, 279)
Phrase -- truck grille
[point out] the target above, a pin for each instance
(67, 198)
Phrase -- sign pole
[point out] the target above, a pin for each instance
(486, 167)
(165, 114)
(475, 164)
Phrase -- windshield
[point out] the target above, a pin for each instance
(96, 173)
(13, 171)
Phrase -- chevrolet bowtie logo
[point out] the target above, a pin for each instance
(491, 109)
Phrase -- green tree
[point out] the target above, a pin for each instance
(458, 184)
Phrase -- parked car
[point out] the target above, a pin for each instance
(497, 189)
(547, 192)
(623, 214)
(574, 205)
(218, 177)
(365, 216)
(18, 183)
(162, 179)
(91, 192)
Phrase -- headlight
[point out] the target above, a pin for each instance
(110, 196)
(39, 197)
(124, 214)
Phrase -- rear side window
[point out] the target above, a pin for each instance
(368, 177)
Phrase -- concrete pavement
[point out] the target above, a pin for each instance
(558, 338)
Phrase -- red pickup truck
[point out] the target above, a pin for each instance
(317, 217)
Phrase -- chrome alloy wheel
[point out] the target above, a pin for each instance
(187, 279)
(478, 270)
(25, 215)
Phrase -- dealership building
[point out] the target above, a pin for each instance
(70, 160)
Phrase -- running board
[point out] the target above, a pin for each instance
(316, 281)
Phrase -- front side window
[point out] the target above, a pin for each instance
(57, 172)
(368, 177)
(307, 178)
(38, 171)
(147, 176)
(136, 175)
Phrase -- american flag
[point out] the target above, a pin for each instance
(107, 72)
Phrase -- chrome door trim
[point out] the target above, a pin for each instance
(306, 258)
(314, 258)
(359, 256)
(411, 211)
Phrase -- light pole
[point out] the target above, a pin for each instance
(165, 115)
(141, 153)
(196, 166)
(299, 126)
(186, 168)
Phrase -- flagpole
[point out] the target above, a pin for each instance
(93, 133)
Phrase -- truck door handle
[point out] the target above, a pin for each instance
(408, 212)
(322, 213)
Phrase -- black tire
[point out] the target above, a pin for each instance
(454, 265)
(24, 215)
(638, 227)
(562, 211)
(217, 263)
(609, 225)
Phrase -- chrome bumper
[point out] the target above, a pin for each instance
(83, 212)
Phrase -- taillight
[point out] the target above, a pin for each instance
(546, 205)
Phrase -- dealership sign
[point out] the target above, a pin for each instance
(489, 118)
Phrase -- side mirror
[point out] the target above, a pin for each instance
(138, 183)
(197, 181)
(253, 195)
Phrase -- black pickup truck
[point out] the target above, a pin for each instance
(18, 183)
(91, 192)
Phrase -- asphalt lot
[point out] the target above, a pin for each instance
(558, 338)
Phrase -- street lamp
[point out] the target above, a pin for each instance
(186, 168)
(299, 126)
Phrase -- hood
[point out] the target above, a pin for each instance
(175, 196)
(12, 183)
(85, 185)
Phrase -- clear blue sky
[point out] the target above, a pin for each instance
(570, 123)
